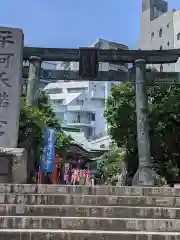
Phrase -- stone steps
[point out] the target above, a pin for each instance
(35, 234)
(51, 212)
(95, 200)
(88, 190)
(90, 223)
(89, 211)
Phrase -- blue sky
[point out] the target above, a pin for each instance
(74, 23)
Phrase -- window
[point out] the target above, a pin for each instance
(100, 67)
(168, 44)
(152, 35)
(58, 101)
(90, 132)
(178, 36)
(161, 68)
(93, 117)
(75, 90)
(102, 146)
(54, 90)
(160, 32)
(78, 117)
(80, 102)
(161, 48)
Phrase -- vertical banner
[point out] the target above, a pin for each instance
(47, 163)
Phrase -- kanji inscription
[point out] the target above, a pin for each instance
(11, 60)
(4, 101)
(2, 125)
(5, 59)
(4, 79)
(6, 38)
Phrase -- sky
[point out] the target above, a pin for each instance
(75, 23)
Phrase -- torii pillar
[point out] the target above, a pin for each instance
(145, 174)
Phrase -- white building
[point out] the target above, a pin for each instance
(74, 107)
(104, 142)
(80, 104)
(159, 29)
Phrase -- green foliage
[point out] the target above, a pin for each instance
(44, 107)
(62, 142)
(33, 121)
(110, 165)
(164, 121)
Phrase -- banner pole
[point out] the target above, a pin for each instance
(55, 169)
(40, 175)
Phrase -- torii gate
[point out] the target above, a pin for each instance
(89, 59)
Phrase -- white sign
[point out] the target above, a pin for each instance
(11, 60)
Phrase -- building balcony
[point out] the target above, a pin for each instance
(58, 108)
(81, 124)
(79, 108)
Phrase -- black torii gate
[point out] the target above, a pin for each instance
(89, 59)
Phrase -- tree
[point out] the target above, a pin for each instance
(62, 143)
(110, 165)
(164, 121)
(62, 139)
(33, 121)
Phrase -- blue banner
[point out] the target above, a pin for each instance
(47, 161)
(49, 136)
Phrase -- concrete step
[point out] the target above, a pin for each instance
(78, 199)
(96, 200)
(80, 223)
(33, 234)
(88, 190)
(89, 211)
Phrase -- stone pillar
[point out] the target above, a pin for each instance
(33, 81)
(144, 175)
(13, 161)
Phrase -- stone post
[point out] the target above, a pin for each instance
(33, 81)
(13, 160)
(144, 175)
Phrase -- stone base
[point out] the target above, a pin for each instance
(13, 165)
(146, 176)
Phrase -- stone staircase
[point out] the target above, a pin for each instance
(56, 212)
